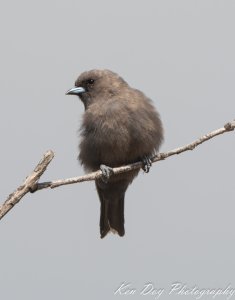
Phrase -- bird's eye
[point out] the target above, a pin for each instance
(90, 81)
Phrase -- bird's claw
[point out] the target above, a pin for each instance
(147, 163)
(106, 173)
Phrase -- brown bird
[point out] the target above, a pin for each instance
(120, 126)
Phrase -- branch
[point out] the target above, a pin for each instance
(28, 184)
(31, 183)
(160, 156)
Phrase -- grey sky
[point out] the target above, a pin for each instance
(179, 217)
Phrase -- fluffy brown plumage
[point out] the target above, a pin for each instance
(120, 126)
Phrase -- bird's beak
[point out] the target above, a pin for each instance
(75, 91)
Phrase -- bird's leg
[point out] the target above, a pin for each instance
(106, 173)
(147, 163)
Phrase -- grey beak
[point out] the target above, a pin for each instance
(75, 91)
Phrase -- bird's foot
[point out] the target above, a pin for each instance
(107, 172)
(147, 163)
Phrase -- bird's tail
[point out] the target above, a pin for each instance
(111, 212)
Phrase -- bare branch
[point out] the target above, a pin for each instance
(31, 183)
(160, 156)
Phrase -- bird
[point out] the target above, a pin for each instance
(120, 125)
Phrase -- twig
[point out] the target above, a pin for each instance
(31, 185)
(160, 156)
(28, 184)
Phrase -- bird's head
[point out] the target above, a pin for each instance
(97, 85)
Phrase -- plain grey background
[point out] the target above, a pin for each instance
(180, 217)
